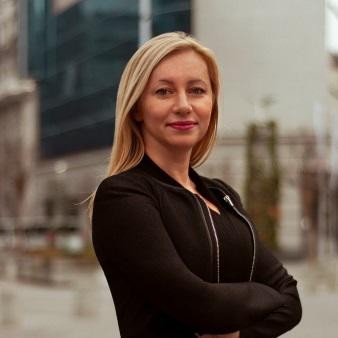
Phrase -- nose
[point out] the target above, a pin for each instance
(182, 104)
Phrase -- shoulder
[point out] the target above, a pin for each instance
(216, 183)
(124, 183)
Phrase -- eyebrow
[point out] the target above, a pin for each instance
(189, 82)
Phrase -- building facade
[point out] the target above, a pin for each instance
(18, 118)
(76, 52)
(273, 66)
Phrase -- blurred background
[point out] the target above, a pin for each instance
(60, 64)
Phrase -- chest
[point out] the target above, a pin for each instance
(217, 248)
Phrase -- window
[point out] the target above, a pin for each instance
(77, 54)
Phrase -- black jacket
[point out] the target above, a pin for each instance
(156, 253)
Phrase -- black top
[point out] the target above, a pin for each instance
(234, 240)
(158, 255)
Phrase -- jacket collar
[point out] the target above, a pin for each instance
(148, 166)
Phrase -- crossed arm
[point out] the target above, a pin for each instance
(145, 253)
(270, 272)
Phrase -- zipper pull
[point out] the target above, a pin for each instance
(228, 200)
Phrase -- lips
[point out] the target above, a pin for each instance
(182, 125)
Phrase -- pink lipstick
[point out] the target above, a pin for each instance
(183, 125)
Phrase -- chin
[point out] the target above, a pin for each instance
(187, 146)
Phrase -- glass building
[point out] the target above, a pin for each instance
(77, 51)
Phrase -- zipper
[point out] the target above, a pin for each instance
(228, 200)
(216, 238)
(207, 229)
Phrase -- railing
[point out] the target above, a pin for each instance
(44, 254)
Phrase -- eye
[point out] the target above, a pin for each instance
(197, 90)
(163, 91)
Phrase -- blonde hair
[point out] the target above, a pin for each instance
(128, 146)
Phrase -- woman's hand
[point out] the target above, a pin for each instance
(228, 335)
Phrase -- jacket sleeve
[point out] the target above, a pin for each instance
(269, 271)
(128, 234)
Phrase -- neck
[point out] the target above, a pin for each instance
(175, 164)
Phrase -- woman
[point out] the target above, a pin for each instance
(181, 257)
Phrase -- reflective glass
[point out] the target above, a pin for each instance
(77, 55)
(171, 15)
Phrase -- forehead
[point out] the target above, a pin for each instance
(184, 63)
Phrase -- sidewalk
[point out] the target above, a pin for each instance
(85, 309)
(319, 298)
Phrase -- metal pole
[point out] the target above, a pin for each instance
(145, 21)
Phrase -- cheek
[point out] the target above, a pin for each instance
(205, 113)
(206, 108)
(155, 111)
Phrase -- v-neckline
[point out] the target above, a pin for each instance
(206, 204)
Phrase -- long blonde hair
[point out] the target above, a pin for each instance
(128, 146)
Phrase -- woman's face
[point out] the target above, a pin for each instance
(175, 107)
